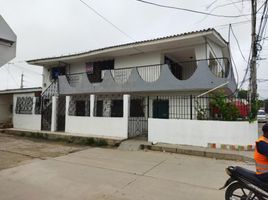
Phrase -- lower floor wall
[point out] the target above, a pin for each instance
(26, 121)
(100, 126)
(200, 132)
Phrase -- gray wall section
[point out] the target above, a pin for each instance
(202, 79)
(7, 51)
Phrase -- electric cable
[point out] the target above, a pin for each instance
(190, 10)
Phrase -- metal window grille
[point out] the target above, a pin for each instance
(37, 109)
(198, 108)
(79, 105)
(24, 105)
(108, 106)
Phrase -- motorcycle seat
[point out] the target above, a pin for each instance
(251, 177)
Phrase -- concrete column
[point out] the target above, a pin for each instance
(68, 98)
(54, 113)
(34, 105)
(92, 105)
(126, 108)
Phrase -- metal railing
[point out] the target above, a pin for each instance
(150, 73)
(219, 67)
(199, 108)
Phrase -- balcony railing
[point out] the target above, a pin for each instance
(151, 73)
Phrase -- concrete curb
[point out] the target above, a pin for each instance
(204, 152)
(92, 141)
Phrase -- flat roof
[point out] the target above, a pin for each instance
(21, 90)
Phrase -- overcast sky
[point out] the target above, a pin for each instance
(48, 28)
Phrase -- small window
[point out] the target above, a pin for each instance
(161, 109)
(117, 108)
(99, 108)
(24, 105)
(80, 108)
(136, 108)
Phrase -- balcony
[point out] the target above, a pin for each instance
(190, 75)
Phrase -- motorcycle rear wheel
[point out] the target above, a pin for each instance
(237, 191)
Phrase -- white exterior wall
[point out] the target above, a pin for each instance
(97, 126)
(79, 67)
(200, 133)
(5, 105)
(25, 121)
(200, 52)
(138, 60)
(114, 127)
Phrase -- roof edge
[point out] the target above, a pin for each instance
(37, 61)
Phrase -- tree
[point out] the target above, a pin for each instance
(242, 94)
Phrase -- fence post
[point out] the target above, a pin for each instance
(54, 113)
(191, 106)
(148, 111)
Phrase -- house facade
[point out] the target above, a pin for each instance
(142, 88)
(17, 107)
(7, 42)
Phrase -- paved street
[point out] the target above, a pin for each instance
(110, 174)
(16, 150)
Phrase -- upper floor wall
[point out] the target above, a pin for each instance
(182, 62)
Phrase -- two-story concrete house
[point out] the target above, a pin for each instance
(143, 88)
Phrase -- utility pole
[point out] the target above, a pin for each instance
(254, 53)
(21, 80)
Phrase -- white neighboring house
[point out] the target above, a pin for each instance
(21, 107)
(144, 88)
(7, 42)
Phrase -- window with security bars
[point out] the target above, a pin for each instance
(37, 109)
(117, 108)
(99, 108)
(24, 105)
(108, 106)
(137, 108)
(79, 105)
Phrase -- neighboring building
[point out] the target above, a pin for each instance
(148, 87)
(17, 106)
(7, 42)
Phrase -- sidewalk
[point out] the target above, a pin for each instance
(134, 144)
(245, 156)
(77, 138)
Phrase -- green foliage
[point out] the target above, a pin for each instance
(227, 110)
(101, 142)
(242, 94)
(255, 106)
(201, 112)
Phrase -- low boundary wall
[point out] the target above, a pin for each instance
(201, 133)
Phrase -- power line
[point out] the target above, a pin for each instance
(211, 4)
(192, 11)
(237, 42)
(11, 75)
(227, 4)
(108, 21)
(29, 70)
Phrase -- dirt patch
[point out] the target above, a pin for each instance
(15, 150)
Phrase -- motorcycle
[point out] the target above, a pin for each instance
(243, 184)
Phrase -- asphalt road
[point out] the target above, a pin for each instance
(113, 174)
